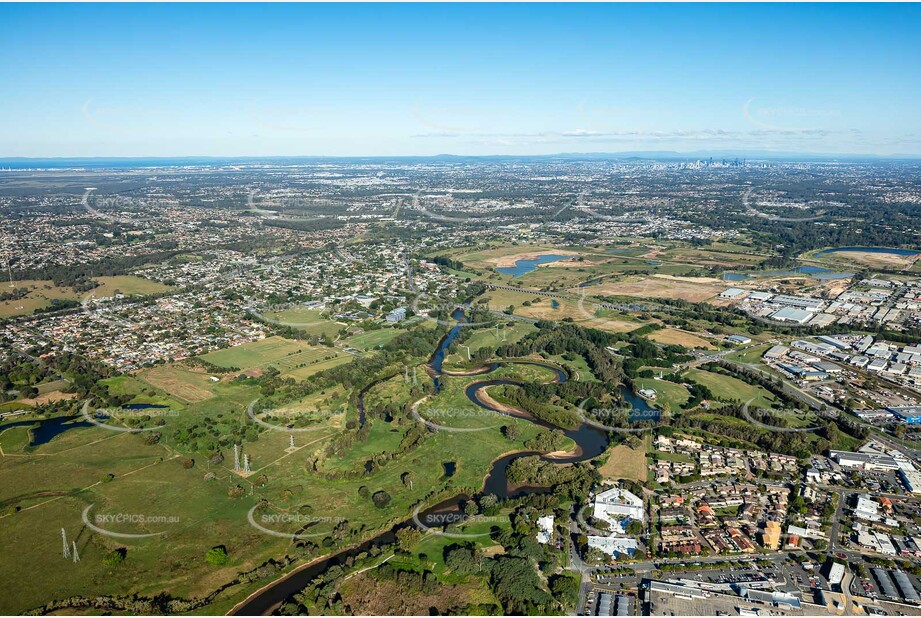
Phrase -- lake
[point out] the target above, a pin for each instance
(640, 408)
(48, 429)
(523, 267)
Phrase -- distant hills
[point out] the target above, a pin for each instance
(636, 155)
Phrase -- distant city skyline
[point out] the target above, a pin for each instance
(248, 80)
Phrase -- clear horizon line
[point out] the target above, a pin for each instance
(694, 153)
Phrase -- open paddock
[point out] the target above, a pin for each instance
(626, 463)
(729, 388)
(284, 354)
(179, 381)
(321, 364)
(673, 336)
(585, 313)
(683, 288)
(128, 285)
(708, 257)
(372, 339)
(38, 294)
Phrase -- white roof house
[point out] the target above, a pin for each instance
(614, 545)
(835, 573)
(617, 507)
(867, 508)
(544, 529)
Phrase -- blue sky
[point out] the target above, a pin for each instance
(411, 79)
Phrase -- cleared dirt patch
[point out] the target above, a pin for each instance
(891, 261)
(49, 397)
(365, 595)
(659, 287)
(710, 280)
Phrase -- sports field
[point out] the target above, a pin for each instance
(312, 321)
(372, 339)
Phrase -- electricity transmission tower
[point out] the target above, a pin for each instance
(66, 546)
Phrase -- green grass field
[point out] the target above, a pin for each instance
(127, 285)
(174, 380)
(667, 393)
(39, 295)
(54, 483)
(14, 440)
(749, 356)
(373, 339)
(320, 363)
(312, 321)
(585, 313)
(578, 368)
(727, 387)
(295, 358)
(508, 332)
